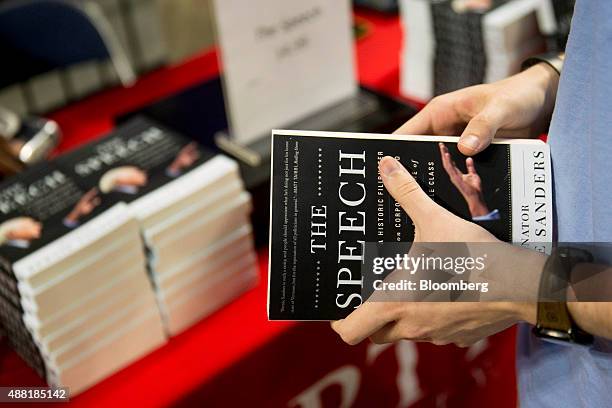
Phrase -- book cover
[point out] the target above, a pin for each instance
(134, 160)
(328, 201)
(37, 208)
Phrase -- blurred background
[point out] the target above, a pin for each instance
(73, 71)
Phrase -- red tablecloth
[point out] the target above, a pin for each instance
(236, 357)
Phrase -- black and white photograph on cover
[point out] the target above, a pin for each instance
(43, 205)
(139, 158)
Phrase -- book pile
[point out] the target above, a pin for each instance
(512, 34)
(193, 213)
(108, 250)
(76, 302)
(452, 44)
(416, 75)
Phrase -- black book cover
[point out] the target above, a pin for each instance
(133, 160)
(36, 208)
(327, 201)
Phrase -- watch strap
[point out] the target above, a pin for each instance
(554, 321)
(553, 59)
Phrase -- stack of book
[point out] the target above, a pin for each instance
(418, 50)
(193, 212)
(108, 250)
(512, 34)
(76, 301)
(450, 44)
(459, 58)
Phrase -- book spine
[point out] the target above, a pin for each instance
(8, 284)
(19, 337)
(531, 196)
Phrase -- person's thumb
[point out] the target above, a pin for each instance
(405, 190)
(478, 134)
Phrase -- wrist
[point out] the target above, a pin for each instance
(547, 79)
(514, 312)
(525, 312)
(476, 206)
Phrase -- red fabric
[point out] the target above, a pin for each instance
(236, 357)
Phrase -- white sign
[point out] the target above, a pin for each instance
(283, 60)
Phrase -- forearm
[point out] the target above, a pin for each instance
(476, 206)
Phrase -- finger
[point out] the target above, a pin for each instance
(480, 131)
(419, 124)
(405, 190)
(390, 333)
(453, 169)
(469, 163)
(449, 164)
(457, 171)
(365, 320)
(393, 332)
(89, 195)
(446, 160)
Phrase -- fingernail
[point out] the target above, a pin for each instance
(470, 141)
(388, 166)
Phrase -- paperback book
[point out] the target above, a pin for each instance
(328, 201)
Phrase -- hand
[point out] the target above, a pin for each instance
(440, 323)
(185, 158)
(519, 106)
(23, 228)
(84, 206)
(131, 176)
(469, 185)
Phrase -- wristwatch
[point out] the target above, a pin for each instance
(554, 322)
(553, 59)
